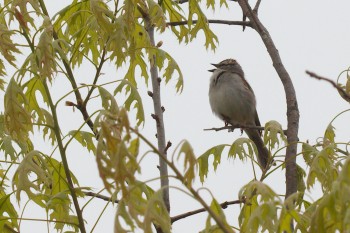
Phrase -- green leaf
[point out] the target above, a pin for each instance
(258, 213)
(300, 179)
(190, 162)
(47, 121)
(264, 216)
(123, 214)
(243, 148)
(170, 67)
(323, 169)
(2, 74)
(7, 47)
(309, 153)
(118, 41)
(81, 30)
(32, 166)
(332, 210)
(133, 96)
(133, 206)
(45, 53)
(18, 122)
(139, 41)
(156, 15)
(157, 213)
(202, 24)
(59, 179)
(58, 207)
(329, 135)
(33, 87)
(173, 11)
(8, 213)
(108, 101)
(84, 138)
(117, 166)
(6, 145)
(290, 213)
(271, 132)
(216, 151)
(257, 188)
(23, 5)
(217, 210)
(102, 14)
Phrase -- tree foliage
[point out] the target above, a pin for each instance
(38, 49)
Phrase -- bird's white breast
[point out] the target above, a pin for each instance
(230, 99)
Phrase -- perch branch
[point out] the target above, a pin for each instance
(233, 127)
(213, 21)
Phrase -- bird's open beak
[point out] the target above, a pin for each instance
(216, 65)
(212, 70)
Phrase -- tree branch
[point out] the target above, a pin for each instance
(256, 8)
(158, 114)
(341, 91)
(233, 127)
(70, 75)
(213, 21)
(63, 154)
(292, 104)
(237, 126)
(181, 178)
(223, 205)
(102, 197)
(184, 1)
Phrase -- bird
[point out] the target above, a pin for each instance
(233, 100)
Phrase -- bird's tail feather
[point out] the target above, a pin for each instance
(263, 153)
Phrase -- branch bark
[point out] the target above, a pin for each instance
(223, 205)
(292, 104)
(213, 21)
(80, 103)
(341, 91)
(158, 113)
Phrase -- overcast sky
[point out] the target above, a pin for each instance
(310, 35)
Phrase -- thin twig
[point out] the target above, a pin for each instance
(233, 127)
(341, 91)
(184, 1)
(256, 8)
(102, 197)
(223, 205)
(213, 21)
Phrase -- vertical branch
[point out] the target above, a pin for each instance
(57, 131)
(65, 161)
(292, 104)
(81, 106)
(158, 114)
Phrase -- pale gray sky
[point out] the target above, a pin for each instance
(310, 35)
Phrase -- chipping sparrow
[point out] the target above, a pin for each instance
(233, 100)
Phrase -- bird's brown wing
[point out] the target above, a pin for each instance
(257, 122)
